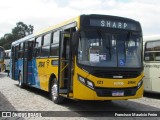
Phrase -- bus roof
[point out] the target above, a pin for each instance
(23, 39)
(47, 30)
(61, 25)
(58, 25)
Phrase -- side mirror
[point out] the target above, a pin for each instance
(75, 37)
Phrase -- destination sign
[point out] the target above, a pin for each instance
(113, 24)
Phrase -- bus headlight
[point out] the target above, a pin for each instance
(90, 84)
(140, 84)
(81, 79)
(86, 82)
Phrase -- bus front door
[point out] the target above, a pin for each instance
(65, 61)
(28, 50)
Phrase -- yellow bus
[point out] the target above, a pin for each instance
(90, 57)
(2, 55)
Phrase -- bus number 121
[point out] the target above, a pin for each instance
(99, 82)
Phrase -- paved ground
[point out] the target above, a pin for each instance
(13, 98)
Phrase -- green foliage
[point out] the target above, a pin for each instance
(21, 30)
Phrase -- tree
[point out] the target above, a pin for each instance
(2, 41)
(8, 37)
(21, 30)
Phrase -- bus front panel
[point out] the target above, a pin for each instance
(89, 87)
(109, 59)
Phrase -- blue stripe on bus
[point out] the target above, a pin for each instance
(35, 77)
(16, 70)
(32, 73)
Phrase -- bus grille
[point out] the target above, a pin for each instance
(113, 74)
(107, 92)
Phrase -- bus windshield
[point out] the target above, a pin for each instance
(104, 49)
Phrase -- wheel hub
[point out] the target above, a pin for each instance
(54, 91)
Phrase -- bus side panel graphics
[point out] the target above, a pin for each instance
(35, 78)
(29, 73)
(45, 68)
(41, 69)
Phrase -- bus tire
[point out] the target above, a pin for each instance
(20, 84)
(57, 99)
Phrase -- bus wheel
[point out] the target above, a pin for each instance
(54, 93)
(21, 85)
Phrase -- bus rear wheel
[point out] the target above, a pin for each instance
(20, 83)
(54, 93)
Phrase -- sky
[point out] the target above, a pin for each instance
(45, 13)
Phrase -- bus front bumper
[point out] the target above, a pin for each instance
(108, 93)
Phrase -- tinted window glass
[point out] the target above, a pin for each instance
(38, 46)
(21, 46)
(152, 51)
(152, 56)
(45, 51)
(54, 50)
(153, 46)
(38, 42)
(103, 49)
(16, 52)
(47, 39)
(55, 37)
(38, 51)
(30, 49)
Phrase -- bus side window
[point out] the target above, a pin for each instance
(55, 38)
(16, 52)
(46, 45)
(157, 56)
(148, 56)
(20, 52)
(25, 49)
(54, 50)
(152, 51)
(38, 46)
(13, 52)
(55, 44)
(30, 49)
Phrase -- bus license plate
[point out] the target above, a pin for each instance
(117, 93)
